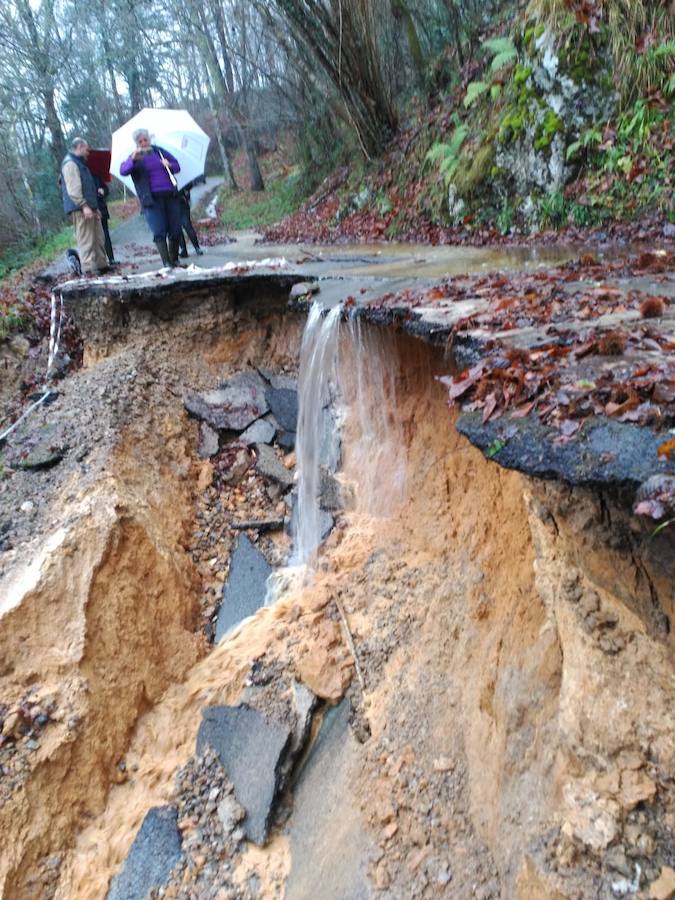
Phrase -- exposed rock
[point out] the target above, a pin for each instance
(321, 670)
(208, 441)
(155, 851)
(591, 819)
(252, 749)
(235, 405)
(330, 494)
(245, 588)
(230, 813)
(260, 432)
(304, 704)
(330, 846)
(636, 787)
(284, 405)
(269, 465)
(286, 440)
(331, 444)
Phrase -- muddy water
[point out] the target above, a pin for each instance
(396, 260)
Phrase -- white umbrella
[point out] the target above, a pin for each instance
(172, 129)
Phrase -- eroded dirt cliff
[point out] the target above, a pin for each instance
(504, 642)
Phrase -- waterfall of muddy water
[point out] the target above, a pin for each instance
(375, 459)
(318, 358)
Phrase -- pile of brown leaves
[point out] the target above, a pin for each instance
(570, 367)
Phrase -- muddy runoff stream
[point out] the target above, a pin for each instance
(491, 702)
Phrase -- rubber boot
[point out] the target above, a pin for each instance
(160, 243)
(173, 252)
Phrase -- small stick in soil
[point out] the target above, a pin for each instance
(350, 643)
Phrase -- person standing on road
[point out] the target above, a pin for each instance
(102, 191)
(80, 202)
(151, 169)
(186, 223)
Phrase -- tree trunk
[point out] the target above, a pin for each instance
(54, 126)
(225, 160)
(400, 10)
(254, 173)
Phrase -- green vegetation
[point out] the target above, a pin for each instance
(41, 251)
(638, 33)
(12, 322)
(249, 209)
(611, 158)
(447, 155)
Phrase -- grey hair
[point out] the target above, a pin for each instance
(140, 132)
(77, 142)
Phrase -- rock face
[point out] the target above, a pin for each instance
(329, 846)
(252, 750)
(234, 406)
(154, 852)
(283, 402)
(245, 588)
(260, 432)
(208, 441)
(270, 466)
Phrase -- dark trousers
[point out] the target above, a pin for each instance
(188, 227)
(164, 217)
(107, 242)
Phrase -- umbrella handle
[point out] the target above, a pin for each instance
(170, 173)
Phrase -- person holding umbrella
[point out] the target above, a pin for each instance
(152, 170)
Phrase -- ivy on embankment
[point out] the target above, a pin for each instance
(566, 121)
(549, 134)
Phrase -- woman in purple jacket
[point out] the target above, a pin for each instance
(149, 167)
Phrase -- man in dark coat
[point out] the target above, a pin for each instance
(80, 202)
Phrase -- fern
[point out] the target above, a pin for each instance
(499, 45)
(447, 155)
(474, 91)
(502, 60)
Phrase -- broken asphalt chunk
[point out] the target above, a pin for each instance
(260, 432)
(237, 403)
(154, 853)
(245, 587)
(252, 749)
(284, 405)
(269, 465)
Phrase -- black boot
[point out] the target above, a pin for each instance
(173, 252)
(160, 243)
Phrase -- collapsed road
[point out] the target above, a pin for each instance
(468, 689)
